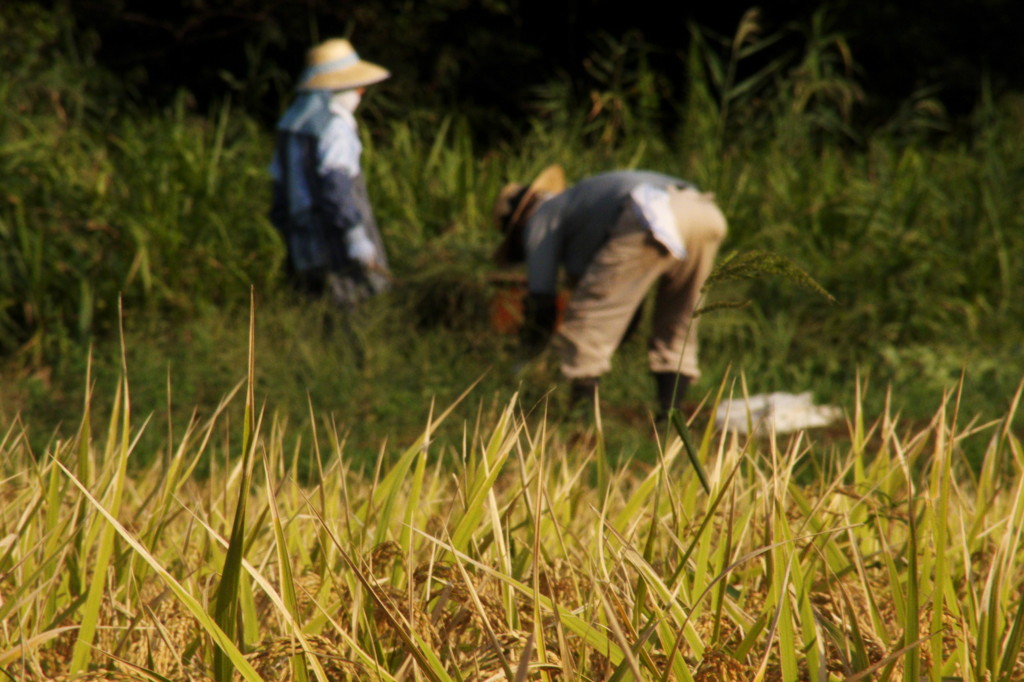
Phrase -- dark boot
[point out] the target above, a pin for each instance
(583, 394)
(671, 389)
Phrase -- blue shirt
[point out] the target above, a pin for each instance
(319, 191)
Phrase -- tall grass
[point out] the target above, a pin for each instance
(913, 231)
(889, 559)
(158, 211)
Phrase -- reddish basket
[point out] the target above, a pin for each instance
(507, 306)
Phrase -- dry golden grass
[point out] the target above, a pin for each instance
(527, 559)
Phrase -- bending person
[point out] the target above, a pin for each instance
(615, 235)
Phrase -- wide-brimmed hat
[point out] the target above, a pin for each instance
(515, 204)
(515, 198)
(335, 65)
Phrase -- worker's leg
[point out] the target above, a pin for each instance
(702, 227)
(606, 297)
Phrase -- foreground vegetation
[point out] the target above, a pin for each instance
(528, 557)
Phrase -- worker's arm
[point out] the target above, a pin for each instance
(543, 256)
(338, 168)
(540, 311)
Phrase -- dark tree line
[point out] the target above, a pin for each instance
(483, 56)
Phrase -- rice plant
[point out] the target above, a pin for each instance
(531, 556)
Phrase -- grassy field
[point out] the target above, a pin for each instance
(204, 477)
(511, 552)
(114, 214)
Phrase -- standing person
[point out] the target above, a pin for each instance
(320, 205)
(615, 235)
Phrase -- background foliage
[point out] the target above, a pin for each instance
(119, 184)
(486, 57)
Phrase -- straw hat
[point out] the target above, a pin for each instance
(335, 65)
(515, 198)
(515, 204)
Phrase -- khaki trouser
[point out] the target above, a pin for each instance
(617, 280)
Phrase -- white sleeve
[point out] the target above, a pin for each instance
(339, 148)
(653, 206)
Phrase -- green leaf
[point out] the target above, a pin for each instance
(684, 433)
(226, 599)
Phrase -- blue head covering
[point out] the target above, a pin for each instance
(309, 114)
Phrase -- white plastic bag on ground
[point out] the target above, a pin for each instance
(781, 412)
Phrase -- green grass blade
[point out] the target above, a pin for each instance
(226, 600)
(220, 638)
(494, 457)
(1013, 643)
(684, 433)
(300, 673)
(91, 610)
(911, 628)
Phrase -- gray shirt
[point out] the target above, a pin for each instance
(568, 229)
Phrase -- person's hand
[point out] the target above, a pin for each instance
(360, 247)
(540, 312)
